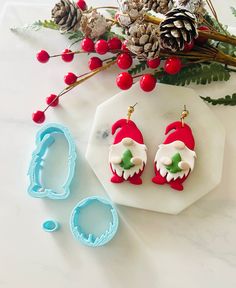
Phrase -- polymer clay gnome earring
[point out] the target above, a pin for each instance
(175, 158)
(127, 156)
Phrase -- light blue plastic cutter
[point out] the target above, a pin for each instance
(91, 239)
(44, 139)
(50, 225)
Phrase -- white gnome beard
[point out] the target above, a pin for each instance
(167, 151)
(116, 152)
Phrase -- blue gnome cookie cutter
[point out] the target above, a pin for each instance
(44, 139)
(91, 239)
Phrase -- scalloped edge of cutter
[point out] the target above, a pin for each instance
(91, 240)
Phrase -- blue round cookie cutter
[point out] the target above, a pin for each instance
(50, 225)
(91, 239)
(44, 139)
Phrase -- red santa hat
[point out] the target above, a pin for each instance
(180, 133)
(128, 129)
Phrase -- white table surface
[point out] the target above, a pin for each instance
(194, 249)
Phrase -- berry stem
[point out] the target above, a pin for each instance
(83, 78)
(83, 52)
(137, 76)
(72, 52)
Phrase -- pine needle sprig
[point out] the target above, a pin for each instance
(37, 25)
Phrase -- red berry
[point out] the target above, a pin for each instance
(82, 5)
(67, 55)
(124, 46)
(38, 116)
(94, 63)
(114, 44)
(172, 65)
(101, 47)
(87, 45)
(201, 39)
(147, 82)
(43, 56)
(124, 61)
(189, 46)
(124, 81)
(70, 78)
(52, 100)
(154, 63)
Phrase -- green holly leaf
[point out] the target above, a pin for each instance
(126, 157)
(174, 168)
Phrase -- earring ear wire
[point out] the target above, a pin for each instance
(130, 111)
(184, 114)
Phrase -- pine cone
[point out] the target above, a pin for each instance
(158, 6)
(197, 7)
(66, 15)
(131, 11)
(143, 40)
(178, 28)
(94, 25)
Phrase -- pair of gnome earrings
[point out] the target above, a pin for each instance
(174, 159)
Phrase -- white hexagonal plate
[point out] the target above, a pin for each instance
(153, 113)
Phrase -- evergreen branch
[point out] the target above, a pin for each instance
(138, 68)
(195, 73)
(233, 11)
(37, 25)
(227, 100)
(217, 26)
(225, 47)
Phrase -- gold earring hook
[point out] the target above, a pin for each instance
(130, 111)
(184, 114)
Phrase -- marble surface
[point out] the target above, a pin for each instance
(194, 249)
(153, 113)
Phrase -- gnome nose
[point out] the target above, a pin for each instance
(179, 145)
(127, 141)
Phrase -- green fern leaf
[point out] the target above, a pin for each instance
(227, 100)
(195, 73)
